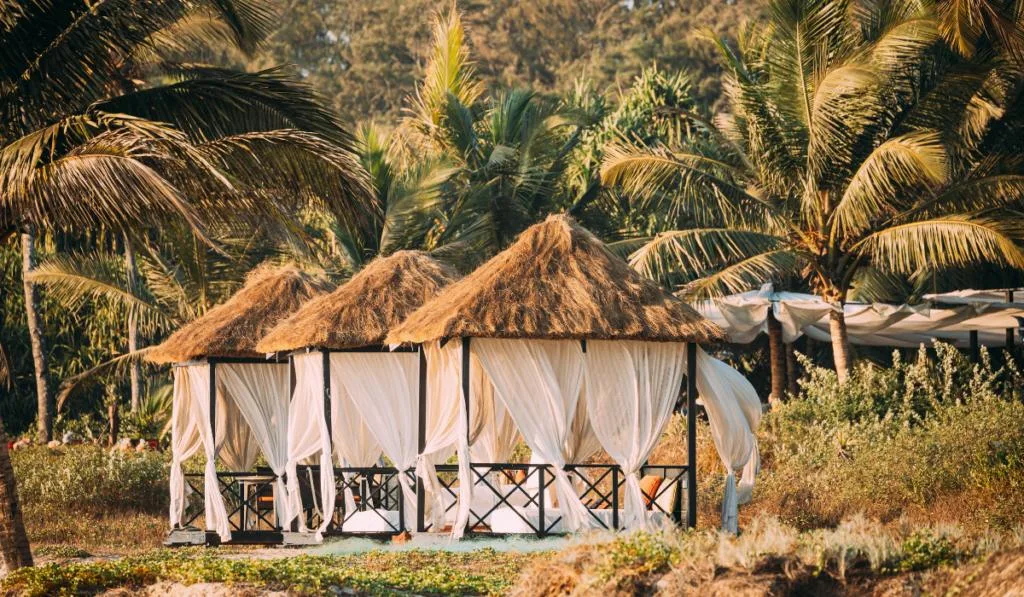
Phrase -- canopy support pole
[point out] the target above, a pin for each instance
(328, 509)
(975, 349)
(1009, 331)
(691, 434)
(213, 402)
(466, 401)
(421, 440)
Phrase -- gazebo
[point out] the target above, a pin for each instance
(561, 341)
(375, 398)
(231, 402)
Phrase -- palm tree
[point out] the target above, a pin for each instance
(508, 151)
(856, 147)
(44, 397)
(105, 118)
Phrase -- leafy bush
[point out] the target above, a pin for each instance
(938, 436)
(89, 479)
(481, 572)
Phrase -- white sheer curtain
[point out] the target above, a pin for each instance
(734, 413)
(185, 440)
(383, 386)
(354, 444)
(236, 447)
(260, 391)
(539, 383)
(442, 425)
(215, 513)
(308, 437)
(486, 434)
(631, 388)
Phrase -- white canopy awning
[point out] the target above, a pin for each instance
(949, 317)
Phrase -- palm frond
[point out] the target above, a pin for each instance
(207, 103)
(747, 274)
(694, 252)
(953, 241)
(73, 279)
(899, 168)
(294, 168)
(449, 73)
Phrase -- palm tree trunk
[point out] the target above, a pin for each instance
(133, 322)
(44, 421)
(13, 540)
(777, 356)
(840, 345)
(792, 374)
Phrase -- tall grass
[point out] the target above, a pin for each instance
(936, 438)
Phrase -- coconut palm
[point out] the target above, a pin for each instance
(508, 151)
(105, 118)
(856, 147)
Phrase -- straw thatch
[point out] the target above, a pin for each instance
(557, 281)
(361, 312)
(232, 328)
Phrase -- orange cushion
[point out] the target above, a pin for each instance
(649, 485)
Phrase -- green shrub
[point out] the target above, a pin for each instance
(89, 479)
(481, 572)
(942, 436)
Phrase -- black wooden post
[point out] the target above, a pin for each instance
(291, 377)
(328, 509)
(466, 402)
(1009, 331)
(213, 402)
(975, 349)
(327, 397)
(691, 434)
(421, 440)
(541, 523)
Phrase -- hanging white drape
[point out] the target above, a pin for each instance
(215, 513)
(539, 382)
(185, 441)
(354, 444)
(308, 437)
(384, 389)
(632, 388)
(260, 392)
(442, 424)
(734, 413)
(486, 434)
(237, 448)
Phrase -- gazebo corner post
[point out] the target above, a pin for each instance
(327, 509)
(466, 388)
(212, 364)
(691, 435)
(421, 439)
(1009, 331)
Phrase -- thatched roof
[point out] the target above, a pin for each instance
(232, 328)
(362, 311)
(556, 281)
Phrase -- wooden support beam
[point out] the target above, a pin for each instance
(466, 400)
(421, 440)
(213, 402)
(691, 434)
(1009, 331)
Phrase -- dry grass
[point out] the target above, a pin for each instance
(120, 533)
(232, 328)
(772, 558)
(362, 311)
(557, 281)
